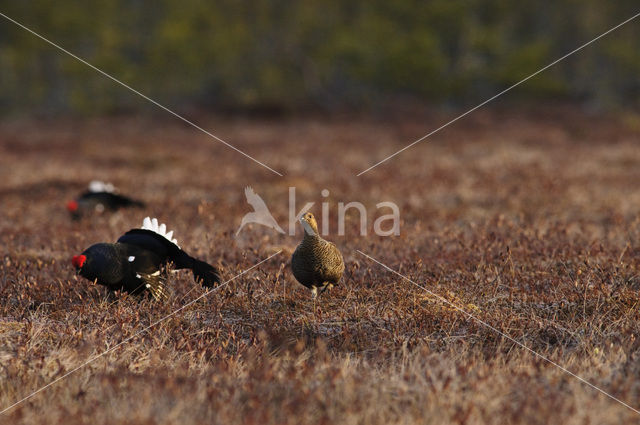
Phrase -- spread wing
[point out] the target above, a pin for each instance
(254, 199)
(156, 284)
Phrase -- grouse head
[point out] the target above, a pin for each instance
(72, 206)
(78, 261)
(309, 224)
(95, 261)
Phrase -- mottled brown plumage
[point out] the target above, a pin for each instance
(316, 263)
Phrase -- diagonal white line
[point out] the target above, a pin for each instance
(500, 94)
(500, 332)
(97, 356)
(192, 124)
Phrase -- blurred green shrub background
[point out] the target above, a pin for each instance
(287, 55)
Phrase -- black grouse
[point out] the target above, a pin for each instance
(99, 197)
(136, 262)
(316, 263)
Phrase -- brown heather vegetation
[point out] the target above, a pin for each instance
(528, 221)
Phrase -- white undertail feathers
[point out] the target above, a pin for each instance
(152, 224)
(99, 186)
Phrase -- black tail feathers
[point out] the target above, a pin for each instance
(208, 275)
(129, 202)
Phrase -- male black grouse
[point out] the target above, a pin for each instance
(134, 263)
(99, 197)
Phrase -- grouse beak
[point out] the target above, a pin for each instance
(307, 227)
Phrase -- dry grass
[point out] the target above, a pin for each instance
(530, 223)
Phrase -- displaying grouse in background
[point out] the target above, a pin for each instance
(316, 263)
(99, 197)
(136, 262)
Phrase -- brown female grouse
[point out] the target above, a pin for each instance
(134, 263)
(316, 263)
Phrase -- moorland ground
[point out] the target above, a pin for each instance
(528, 221)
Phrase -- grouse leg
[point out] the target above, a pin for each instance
(314, 295)
(328, 286)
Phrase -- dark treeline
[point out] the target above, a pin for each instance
(324, 54)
